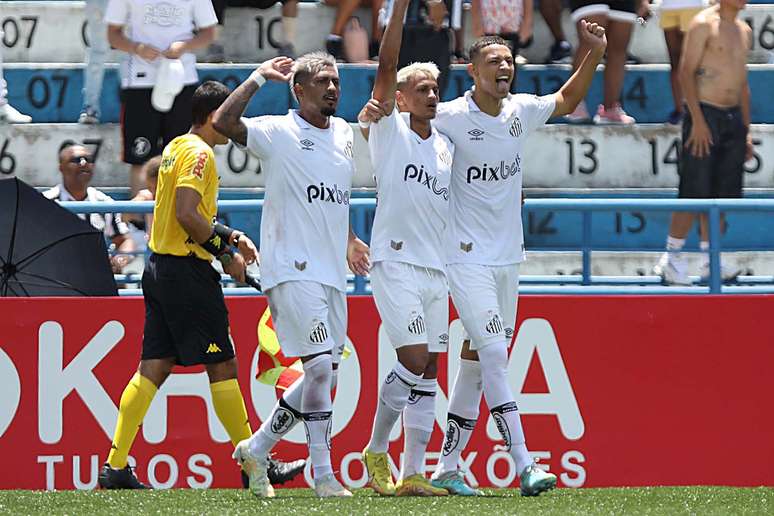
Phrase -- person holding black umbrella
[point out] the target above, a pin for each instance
(186, 320)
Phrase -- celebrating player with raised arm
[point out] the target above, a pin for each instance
(307, 158)
(412, 162)
(484, 239)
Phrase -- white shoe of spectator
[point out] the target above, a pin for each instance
(10, 116)
(673, 270)
(727, 273)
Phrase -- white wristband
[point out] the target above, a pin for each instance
(364, 124)
(258, 77)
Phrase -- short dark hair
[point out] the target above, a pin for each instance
(207, 98)
(481, 43)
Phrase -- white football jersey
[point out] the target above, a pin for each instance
(158, 24)
(412, 186)
(305, 219)
(485, 198)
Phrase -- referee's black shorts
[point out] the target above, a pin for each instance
(185, 312)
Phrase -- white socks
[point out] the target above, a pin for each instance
(392, 398)
(463, 413)
(284, 417)
(316, 407)
(674, 246)
(499, 399)
(418, 422)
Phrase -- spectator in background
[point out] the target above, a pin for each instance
(509, 19)
(288, 22)
(561, 50)
(676, 15)
(151, 173)
(617, 17)
(344, 10)
(150, 32)
(716, 128)
(7, 112)
(216, 52)
(96, 54)
(427, 34)
(76, 164)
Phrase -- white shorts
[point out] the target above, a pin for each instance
(309, 318)
(485, 297)
(413, 303)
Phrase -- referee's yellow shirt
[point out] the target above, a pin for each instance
(187, 162)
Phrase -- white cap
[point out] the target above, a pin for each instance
(169, 82)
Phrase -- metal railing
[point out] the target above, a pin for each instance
(584, 283)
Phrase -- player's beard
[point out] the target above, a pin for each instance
(327, 111)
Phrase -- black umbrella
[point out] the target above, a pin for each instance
(47, 251)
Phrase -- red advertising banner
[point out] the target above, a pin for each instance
(613, 391)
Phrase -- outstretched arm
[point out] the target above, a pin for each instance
(576, 87)
(227, 119)
(387, 73)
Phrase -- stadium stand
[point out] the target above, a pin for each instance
(43, 48)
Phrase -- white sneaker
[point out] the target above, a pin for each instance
(674, 271)
(726, 273)
(327, 487)
(10, 116)
(255, 467)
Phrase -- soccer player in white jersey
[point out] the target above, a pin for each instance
(488, 126)
(412, 164)
(307, 158)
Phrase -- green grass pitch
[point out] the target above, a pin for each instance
(661, 500)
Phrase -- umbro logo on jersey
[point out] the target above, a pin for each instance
(327, 193)
(495, 324)
(476, 134)
(515, 128)
(467, 247)
(319, 333)
(443, 339)
(306, 144)
(396, 245)
(417, 324)
(411, 172)
(213, 348)
(501, 172)
(300, 265)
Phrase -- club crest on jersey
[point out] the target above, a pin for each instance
(515, 128)
(476, 135)
(307, 144)
(348, 150)
(319, 332)
(495, 324)
(416, 324)
(411, 172)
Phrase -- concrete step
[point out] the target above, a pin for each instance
(53, 93)
(53, 31)
(560, 157)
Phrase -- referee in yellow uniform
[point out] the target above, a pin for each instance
(186, 320)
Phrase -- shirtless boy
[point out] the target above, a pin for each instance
(716, 134)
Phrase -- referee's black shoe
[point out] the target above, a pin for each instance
(124, 478)
(279, 472)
